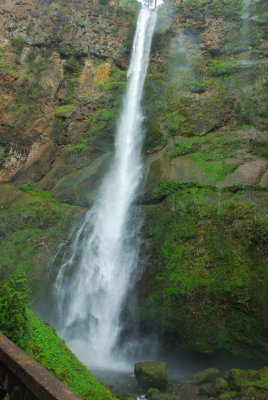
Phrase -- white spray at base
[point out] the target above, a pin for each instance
(92, 285)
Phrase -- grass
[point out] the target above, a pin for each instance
(48, 349)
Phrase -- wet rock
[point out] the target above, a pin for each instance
(151, 375)
(206, 376)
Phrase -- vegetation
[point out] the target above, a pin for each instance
(32, 221)
(40, 341)
(14, 298)
(64, 111)
(205, 102)
(47, 348)
(203, 286)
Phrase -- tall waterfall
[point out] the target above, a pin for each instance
(92, 284)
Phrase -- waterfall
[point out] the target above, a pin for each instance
(92, 283)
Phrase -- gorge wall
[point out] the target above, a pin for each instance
(63, 72)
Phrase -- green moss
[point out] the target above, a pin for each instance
(76, 146)
(32, 223)
(64, 111)
(48, 349)
(102, 119)
(116, 79)
(201, 286)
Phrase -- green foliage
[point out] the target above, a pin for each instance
(14, 294)
(219, 67)
(47, 348)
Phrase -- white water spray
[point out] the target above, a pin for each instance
(92, 284)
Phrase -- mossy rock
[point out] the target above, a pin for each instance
(151, 375)
(206, 376)
(221, 385)
(152, 393)
(261, 380)
(204, 259)
(239, 379)
(228, 396)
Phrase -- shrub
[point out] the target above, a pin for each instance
(14, 294)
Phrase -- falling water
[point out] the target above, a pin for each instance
(92, 284)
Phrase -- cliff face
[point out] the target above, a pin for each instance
(63, 73)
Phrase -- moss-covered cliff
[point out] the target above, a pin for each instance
(205, 284)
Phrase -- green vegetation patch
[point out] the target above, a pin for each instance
(64, 111)
(32, 223)
(219, 67)
(49, 350)
(117, 79)
(14, 295)
(208, 271)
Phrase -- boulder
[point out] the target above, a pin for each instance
(151, 375)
